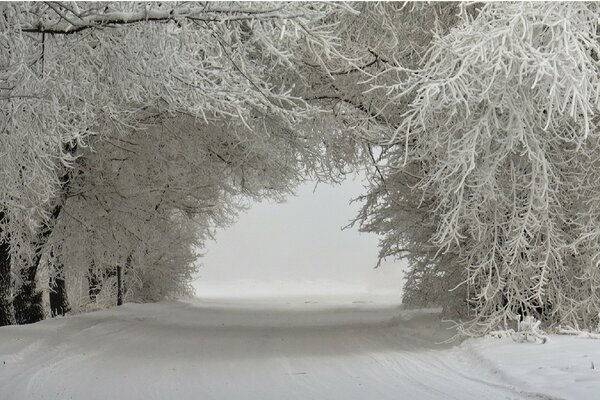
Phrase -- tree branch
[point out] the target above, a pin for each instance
(68, 25)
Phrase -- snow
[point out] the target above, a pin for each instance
(285, 349)
(566, 367)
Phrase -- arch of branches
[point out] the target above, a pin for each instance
(129, 131)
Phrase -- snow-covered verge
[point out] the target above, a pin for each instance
(286, 350)
(565, 367)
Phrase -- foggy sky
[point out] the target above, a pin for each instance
(298, 247)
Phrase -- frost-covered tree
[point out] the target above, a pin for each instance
(179, 168)
(493, 165)
(75, 75)
(130, 130)
(381, 38)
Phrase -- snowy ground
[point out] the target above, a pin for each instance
(291, 350)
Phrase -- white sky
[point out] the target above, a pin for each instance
(298, 248)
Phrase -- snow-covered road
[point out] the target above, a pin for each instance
(202, 350)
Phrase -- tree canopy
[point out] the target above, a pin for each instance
(131, 130)
(123, 118)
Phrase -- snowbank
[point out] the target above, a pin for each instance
(565, 367)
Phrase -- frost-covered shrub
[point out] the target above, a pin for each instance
(528, 330)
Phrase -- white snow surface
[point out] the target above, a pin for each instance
(262, 350)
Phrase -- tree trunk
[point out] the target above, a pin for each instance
(119, 286)
(7, 312)
(28, 302)
(121, 274)
(59, 303)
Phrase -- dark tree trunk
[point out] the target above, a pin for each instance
(7, 312)
(59, 303)
(28, 302)
(119, 286)
(121, 273)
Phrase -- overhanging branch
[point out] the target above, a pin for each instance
(71, 22)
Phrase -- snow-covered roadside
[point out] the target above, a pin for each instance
(261, 350)
(565, 367)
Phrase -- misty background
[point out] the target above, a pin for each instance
(298, 249)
